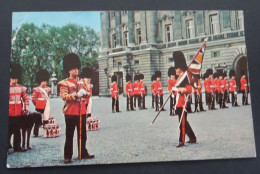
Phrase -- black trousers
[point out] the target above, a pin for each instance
(185, 127)
(207, 98)
(15, 124)
(225, 98)
(198, 101)
(172, 104)
(211, 100)
(143, 101)
(244, 98)
(37, 122)
(138, 98)
(216, 94)
(72, 121)
(220, 99)
(189, 103)
(129, 98)
(157, 102)
(153, 100)
(115, 103)
(234, 99)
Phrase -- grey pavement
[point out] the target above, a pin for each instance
(129, 137)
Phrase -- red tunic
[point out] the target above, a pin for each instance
(136, 88)
(211, 85)
(205, 84)
(152, 87)
(129, 89)
(225, 83)
(171, 83)
(233, 85)
(114, 90)
(216, 85)
(220, 86)
(68, 93)
(243, 84)
(158, 88)
(199, 87)
(18, 100)
(39, 99)
(181, 97)
(142, 88)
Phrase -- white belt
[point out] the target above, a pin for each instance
(13, 102)
(222, 86)
(235, 86)
(115, 91)
(142, 88)
(135, 88)
(159, 88)
(212, 86)
(129, 89)
(40, 99)
(245, 84)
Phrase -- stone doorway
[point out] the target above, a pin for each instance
(120, 84)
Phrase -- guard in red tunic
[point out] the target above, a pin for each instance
(73, 92)
(220, 89)
(198, 97)
(171, 83)
(233, 87)
(40, 97)
(211, 89)
(86, 76)
(215, 76)
(129, 93)
(225, 83)
(137, 92)
(142, 91)
(158, 91)
(244, 90)
(205, 84)
(183, 90)
(114, 94)
(153, 79)
(18, 107)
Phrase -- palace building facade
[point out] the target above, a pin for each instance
(143, 41)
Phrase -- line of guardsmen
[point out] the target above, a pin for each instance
(75, 91)
(217, 90)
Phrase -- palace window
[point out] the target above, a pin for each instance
(125, 36)
(113, 40)
(136, 62)
(190, 30)
(216, 54)
(168, 31)
(214, 24)
(138, 36)
(112, 14)
(240, 20)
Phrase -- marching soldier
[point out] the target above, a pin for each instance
(142, 91)
(153, 79)
(211, 89)
(158, 91)
(220, 89)
(18, 107)
(129, 93)
(183, 90)
(137, 92)
(225, 83)
(114, 94)
(171, 83)
(86, 76)
(206, 87)
(198, 97)
(233, 87)
(244, 90)
(73, 92)
(40, 99)
(215, 76)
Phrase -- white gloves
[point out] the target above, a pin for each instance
(81, 93)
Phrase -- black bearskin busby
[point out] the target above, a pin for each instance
(158, 74)
(209, 72)
(141, 76)
(179, 60)
(128, 78)
(16, 71)
(136, 77)
(42, 75)
(204, 76)
(171, 71)
(215, 75)
(153, 77)
(114, 78)
(86, 73)
(220, 73)
(225, 74)
(232, 73)
(71, 61)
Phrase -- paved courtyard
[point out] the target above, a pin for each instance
(129, 137)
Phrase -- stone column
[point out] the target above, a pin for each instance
(104, 30)
(152, 27)
(131, 29)
(118, 29)
(143, 27)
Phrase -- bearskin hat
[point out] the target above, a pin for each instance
(225, 74)
(70, 61)
(141, 76)
(128, 78)
(209, 71)
(86, 73)
(220, 73)
(114, 78)
(179, 60)
(136, 77)
(153, 77)
(158, 74)
(42, 75)
(215, 75)
(171, 71)
(232, 73)
(16, 71)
